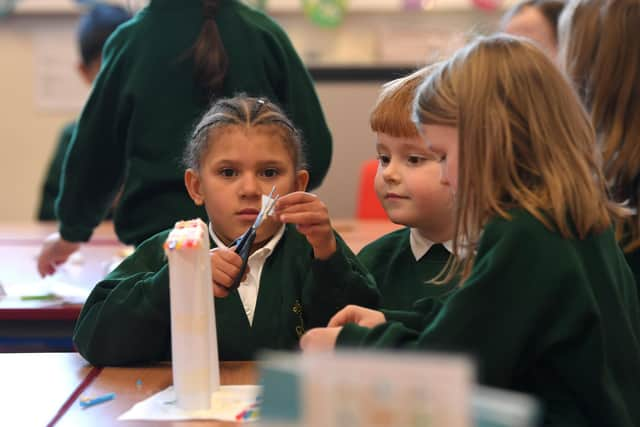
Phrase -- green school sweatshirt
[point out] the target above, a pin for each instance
(126, 318)
(51, 184)
(557, 318)
(145, 102)
(402, 281)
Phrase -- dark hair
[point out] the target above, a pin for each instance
(95, 27)
(550, 9)
(243, 112)
(209, 56)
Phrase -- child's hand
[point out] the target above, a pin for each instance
(225, 266)
(359, 315)
(55, 251)
(320, 339)
(311, 217)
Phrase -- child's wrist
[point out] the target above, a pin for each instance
(325, 250)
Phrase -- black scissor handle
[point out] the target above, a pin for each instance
(243, 247)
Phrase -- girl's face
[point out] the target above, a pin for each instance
(443, 141)
(240, 166)
(408, 185)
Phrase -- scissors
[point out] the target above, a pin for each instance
(244, 242)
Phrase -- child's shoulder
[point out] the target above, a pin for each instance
(156, 241)
(389, 242)
(519, 224)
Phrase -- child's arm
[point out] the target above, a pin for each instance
(336, 282)
(126, 320)
(311, 218)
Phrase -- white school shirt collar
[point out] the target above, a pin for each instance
(420, 245)
(248, 289)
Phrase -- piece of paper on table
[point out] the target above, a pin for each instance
(63, 292)
(226, 404)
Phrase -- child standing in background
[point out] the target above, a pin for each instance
(299, 274)
(536, 20)
(600, 50)
(160, 71)
(408, 185)
(547, 304)
(93, 30)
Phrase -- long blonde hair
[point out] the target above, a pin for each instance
(600, 50)
(525, 141)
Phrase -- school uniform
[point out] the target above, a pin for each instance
(126, 319)
(402, 262)
(145, 102)
(51, 184)
(557, 318)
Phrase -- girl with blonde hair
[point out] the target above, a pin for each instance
(547, 305)
(600, 50)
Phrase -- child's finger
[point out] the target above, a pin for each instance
(220, 291)
(222, 277)
(307, 218)
(294, 198)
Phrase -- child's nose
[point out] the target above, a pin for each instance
(390, 172)
(250, 186)
(444, 180)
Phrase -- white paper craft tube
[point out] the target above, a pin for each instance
(194, 342)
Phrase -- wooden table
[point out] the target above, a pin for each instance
(36, 386)
(45, 325)
(122, 381)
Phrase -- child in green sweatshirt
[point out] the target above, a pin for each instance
(159, 73)
(408, 186)
(547, 303)
(300, 272)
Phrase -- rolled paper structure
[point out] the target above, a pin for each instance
(194, 342)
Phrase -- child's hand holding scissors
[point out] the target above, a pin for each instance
(226, 264)
(311, 217)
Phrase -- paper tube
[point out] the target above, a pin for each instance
(194, 342)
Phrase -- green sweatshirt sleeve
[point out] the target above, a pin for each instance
(495, 313)
(419, 316)
(336, 282)
(125, 319)
(95, 162)
(298, 96)
(51, 186)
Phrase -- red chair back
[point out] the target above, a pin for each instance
(369, 207)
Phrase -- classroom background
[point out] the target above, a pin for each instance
(349, 56)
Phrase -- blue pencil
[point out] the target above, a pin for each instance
(86, 402)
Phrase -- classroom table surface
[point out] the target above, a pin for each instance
(36, 386)
(153, 379)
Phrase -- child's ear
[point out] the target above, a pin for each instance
(302, 180)
(192, 182)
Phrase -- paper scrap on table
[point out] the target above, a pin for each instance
(226, 404)
(65, 293)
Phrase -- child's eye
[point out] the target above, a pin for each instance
(383, 159)
(415, 160)
(228, 172)
(270, 173)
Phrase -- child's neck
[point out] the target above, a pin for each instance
(435, 236)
